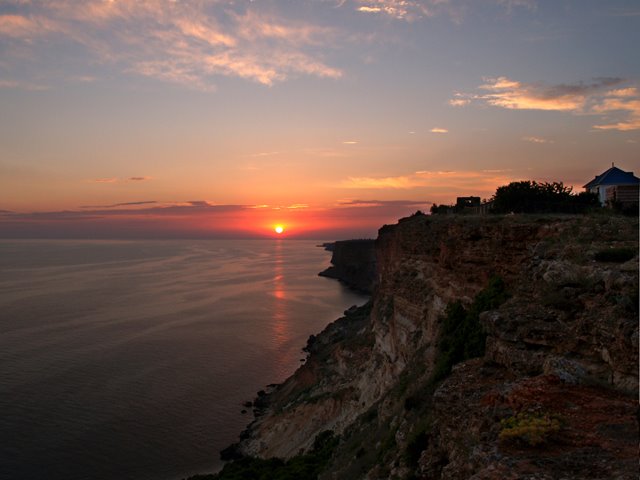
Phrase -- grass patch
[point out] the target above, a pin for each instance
(532, 429)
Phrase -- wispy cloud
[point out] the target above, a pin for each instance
(532, 139)
(511, 4)
(23, 85)
(381, 203)
(103, 180)
(399, 9)
(511, 94)
(625, 101)
(186, 42)
(439, 130)
(118, 179)
(404, 181)
(125, 204)
(455, 181)
(412, 10)
(458, 101)
(610, 98)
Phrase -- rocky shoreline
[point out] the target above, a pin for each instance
(551, 395)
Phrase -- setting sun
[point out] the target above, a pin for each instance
(279, 229)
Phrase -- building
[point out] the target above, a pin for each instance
(615, 185)
(467, 202)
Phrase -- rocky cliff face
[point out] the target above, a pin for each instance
(561, 357)
(354, 263)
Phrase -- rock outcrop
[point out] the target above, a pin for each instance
(353, 262)
(561, 358)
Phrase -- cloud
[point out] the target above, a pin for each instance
(618, 104)
(511, 4)
(455, 181)
(381, 182)
(23, 85)
(370, 9)
(412, 10)
(111, 211)
(536, 140)
(119, 180)
(459, 102)
(511, 94)
(625, 101)
(103, 180)
(439, 130)
(183, 42)
(265, 154)
(350, 142)
(125, 204)
(381, 203)
(199, 204)
(408, 10)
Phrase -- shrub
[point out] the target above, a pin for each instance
(530, 428)
(462, 336)
(415, 446)
(615, 255)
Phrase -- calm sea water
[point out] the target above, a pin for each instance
(131, 360)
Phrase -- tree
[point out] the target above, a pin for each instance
(532, 197)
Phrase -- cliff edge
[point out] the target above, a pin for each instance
(492, 348)
(353, 262)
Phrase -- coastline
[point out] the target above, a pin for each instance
(377, 372)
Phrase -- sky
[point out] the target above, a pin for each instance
(224, 118)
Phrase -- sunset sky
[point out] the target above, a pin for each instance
(150, 118)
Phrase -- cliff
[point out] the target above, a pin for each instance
(353, 262)
(493, 348)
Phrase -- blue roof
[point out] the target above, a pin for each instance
(614, 176)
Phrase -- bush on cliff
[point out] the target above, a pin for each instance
(462, 336)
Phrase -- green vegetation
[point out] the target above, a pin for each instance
(307, 465)
(530, 428)
(416, 445)
(462, 336)
(615, 255)
(533, 197)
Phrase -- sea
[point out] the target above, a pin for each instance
(133, 359)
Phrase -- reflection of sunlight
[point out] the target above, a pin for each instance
(280, 321)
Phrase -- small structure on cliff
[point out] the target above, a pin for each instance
(615, 186)
(464, 205)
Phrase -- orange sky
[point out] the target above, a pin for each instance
(222, 118)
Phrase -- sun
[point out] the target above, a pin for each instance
(279, 229)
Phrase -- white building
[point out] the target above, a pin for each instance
(606, 184)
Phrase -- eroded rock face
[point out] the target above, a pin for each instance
(570, 325)
(353, 262)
